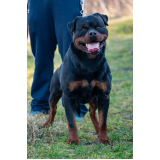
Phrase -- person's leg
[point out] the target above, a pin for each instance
(64, 12)
(43, 44)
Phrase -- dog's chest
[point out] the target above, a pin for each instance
(84, 91)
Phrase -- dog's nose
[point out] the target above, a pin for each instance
(92, 34)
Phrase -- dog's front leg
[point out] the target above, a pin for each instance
(103, 105)
(70, 114)
(93, 107)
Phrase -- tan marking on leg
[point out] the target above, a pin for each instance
(102, 85)
(74, 85)
(103, 136)
(53, 110)
(93, 116)
(73, 134)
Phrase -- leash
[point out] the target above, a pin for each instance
(83, 11)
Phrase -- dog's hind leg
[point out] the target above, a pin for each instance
(53, 110)
(55, 95)
(70, 114)
(93, 107)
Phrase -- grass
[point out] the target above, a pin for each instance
(52, 142)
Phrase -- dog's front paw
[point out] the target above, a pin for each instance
(75, 141)
(104, 141)
(103, 138)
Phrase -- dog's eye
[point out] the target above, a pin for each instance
(83, 29)
(99, 27)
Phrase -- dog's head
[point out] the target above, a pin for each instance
(89, 32)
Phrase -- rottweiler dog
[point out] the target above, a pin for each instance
(84, 76)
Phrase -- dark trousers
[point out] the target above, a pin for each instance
(48, 27)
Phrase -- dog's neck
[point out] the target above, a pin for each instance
(82, 62)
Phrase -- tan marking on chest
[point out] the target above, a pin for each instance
(101, 85)
(74, 85)
(91, 56)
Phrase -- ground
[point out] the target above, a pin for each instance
(52, 142)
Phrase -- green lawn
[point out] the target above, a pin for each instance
(52, 142)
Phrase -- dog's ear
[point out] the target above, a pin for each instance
(72, 25)
(104, 17)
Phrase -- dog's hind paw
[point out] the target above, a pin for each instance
(71, 141)
(104, 141)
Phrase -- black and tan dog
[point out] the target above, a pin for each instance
(84, 76)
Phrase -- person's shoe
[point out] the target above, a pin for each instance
(37, 112)
(32, 113)
(79, 118)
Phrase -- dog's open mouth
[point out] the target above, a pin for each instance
(92, 47)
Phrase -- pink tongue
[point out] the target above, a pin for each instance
(92, 47)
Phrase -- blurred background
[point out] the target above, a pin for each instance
(119, 55)
(113, 8)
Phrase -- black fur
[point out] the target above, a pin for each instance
(104, 17)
